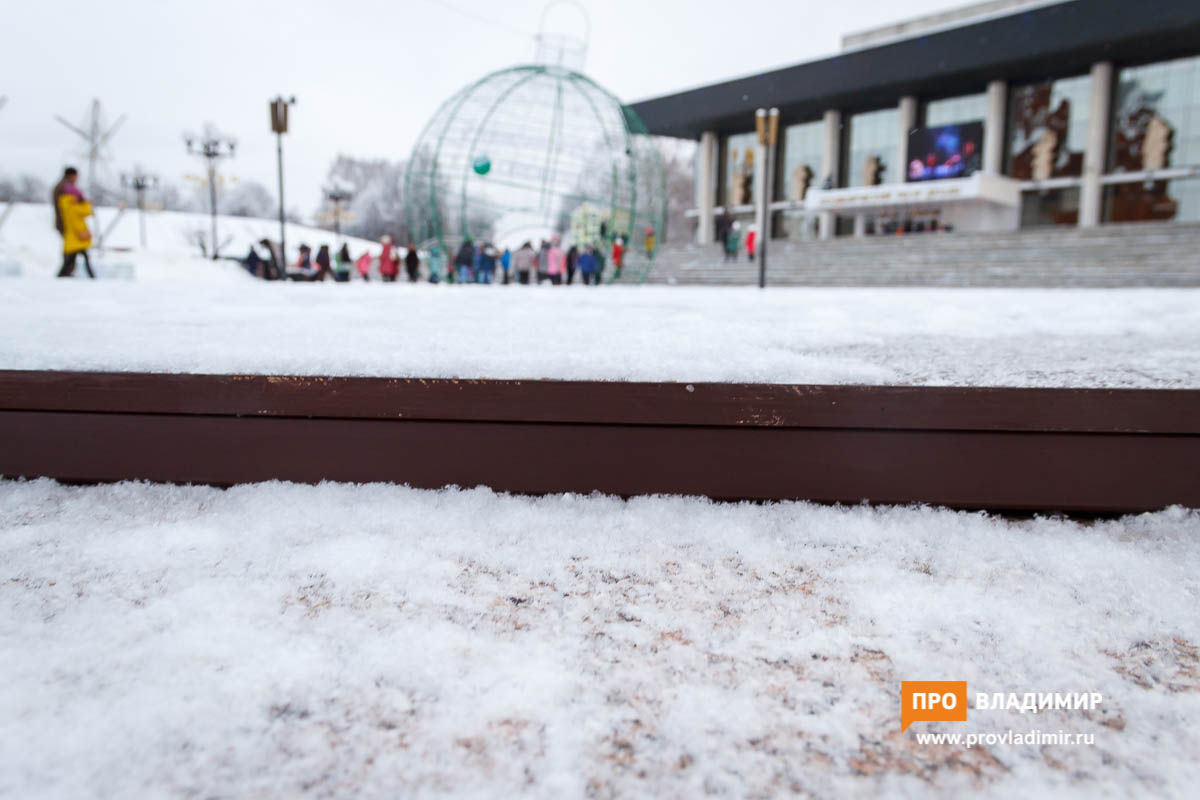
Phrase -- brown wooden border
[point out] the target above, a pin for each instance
(610, 402)
(1092, 450)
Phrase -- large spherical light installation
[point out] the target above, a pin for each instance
(518, 155)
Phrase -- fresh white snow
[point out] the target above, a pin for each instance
(377, 641)
(1018, 337)
(181, 313)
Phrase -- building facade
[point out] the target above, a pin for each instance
(1080, 113)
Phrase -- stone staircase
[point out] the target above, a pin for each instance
(1136, 254)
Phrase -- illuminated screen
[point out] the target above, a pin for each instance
(948, 151)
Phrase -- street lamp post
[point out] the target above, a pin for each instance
(140, 182)
(338, 196)
(766, 125)
(279, 126)
(212, 147)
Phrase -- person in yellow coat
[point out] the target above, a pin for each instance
(71, 211)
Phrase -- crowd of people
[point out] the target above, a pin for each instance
(483, 263)
(472, 263)
(731, 239)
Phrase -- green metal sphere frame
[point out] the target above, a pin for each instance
(423, 178)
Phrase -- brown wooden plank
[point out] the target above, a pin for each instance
(753, 405)
(971, 469)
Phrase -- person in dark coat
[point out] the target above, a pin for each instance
(324, 263)
(412, 262)
(543, 261)
(342, 264)
(485, 263)
(253, 263)
(724, 225)
(464, 261)
(572, 258)
(270, 264)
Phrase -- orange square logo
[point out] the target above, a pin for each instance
(932, 701)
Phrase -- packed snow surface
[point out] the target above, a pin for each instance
(280, 640)
(1018, 337)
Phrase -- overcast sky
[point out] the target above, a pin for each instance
(367, 74)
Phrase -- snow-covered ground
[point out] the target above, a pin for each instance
(1019, 337)
(282, 640)
(31, 247)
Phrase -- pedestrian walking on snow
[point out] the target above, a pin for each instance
(588, 271)
(389, 264)
(733, 238)
(324, 263)
(71, 211)
(464, 261)
(572, 263)
(556, 263)
(524, 262)
(341, 265)
(618, 256)
(412, 262)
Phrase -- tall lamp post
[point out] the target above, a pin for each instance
(140, 182)
(279, 126)
(212, 147)
(338, 196)
(766, 125)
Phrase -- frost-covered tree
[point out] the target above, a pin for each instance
(377, 205)
(249, 199)
(24, 189)
(169, 197)
(678, 158)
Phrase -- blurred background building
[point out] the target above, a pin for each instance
(998, 116)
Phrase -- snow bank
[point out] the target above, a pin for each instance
(29, 242)
(378, 641)
(1019, 337)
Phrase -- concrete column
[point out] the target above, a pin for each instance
(706, 173)
(1091, 194)
(898, 169)
(860, 225)
(994, 124)
(831, 155)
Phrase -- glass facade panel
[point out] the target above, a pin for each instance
(1047, 128)
(1050, 207)
(1177, 200)
(803, 147)
(1156, 116)
(949, 110)
(872, 138)
(737, 188)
